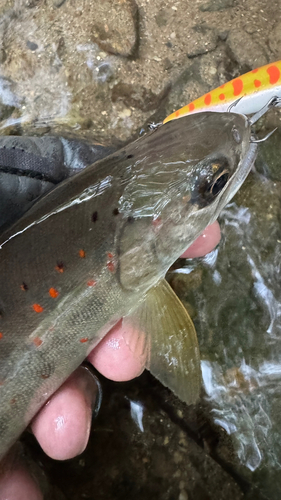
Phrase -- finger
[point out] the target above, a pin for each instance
(208, 240)
(63, 425)
(115, 358)
(18, 485)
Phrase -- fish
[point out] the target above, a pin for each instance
(246, 94)
(96, 249)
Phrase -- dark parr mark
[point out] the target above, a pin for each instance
(59, 267)
(131, 219)
(95, 216)
(130, 156)
(115, 211)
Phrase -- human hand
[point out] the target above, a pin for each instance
(63, 425)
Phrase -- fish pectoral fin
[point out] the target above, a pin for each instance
(169, 341)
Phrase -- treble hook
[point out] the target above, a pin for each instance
(273, 102)
(256, 141)
(234, 104)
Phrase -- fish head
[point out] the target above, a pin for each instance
(184, 174)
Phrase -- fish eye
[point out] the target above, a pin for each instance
(213, 177)
(218, 184)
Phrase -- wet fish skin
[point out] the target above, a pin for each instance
(89, 252)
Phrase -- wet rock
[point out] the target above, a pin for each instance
(3, 56)
(223, 35)
(269, 157)
(30, 4)
(137, 96)
(58, 3)
(216, 5)
(104, 72)
(206, 72)
(253, 57)
(5, 111)
(167, 64)
(115, 27)
(204, 40)
(183, 495)
(161, 18)
(31, 45)
(275, 40)
(70, 78)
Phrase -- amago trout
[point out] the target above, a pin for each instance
(97, 248)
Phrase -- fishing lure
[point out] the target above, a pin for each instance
(246, 94)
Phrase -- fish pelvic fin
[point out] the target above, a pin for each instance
(168, 341)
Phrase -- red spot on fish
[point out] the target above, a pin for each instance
(191, 106)
(24, 287)
(157, 222)
(221, 97)
(177, 113)
(13, 401)
(110, 266)
(37, 308)
(237, 86)
(82, 254)
(255, 70)
(37, 341)
(1, 335)
(53, 293)
(59, 267)
(84, 340)
(208, 99)
(110, 263)
(257, 83)
(274, 74)
(91, 283)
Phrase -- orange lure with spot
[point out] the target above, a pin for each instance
(256, 89)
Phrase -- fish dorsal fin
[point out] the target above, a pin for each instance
(171, 341)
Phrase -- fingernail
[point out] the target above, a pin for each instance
(94, 389)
